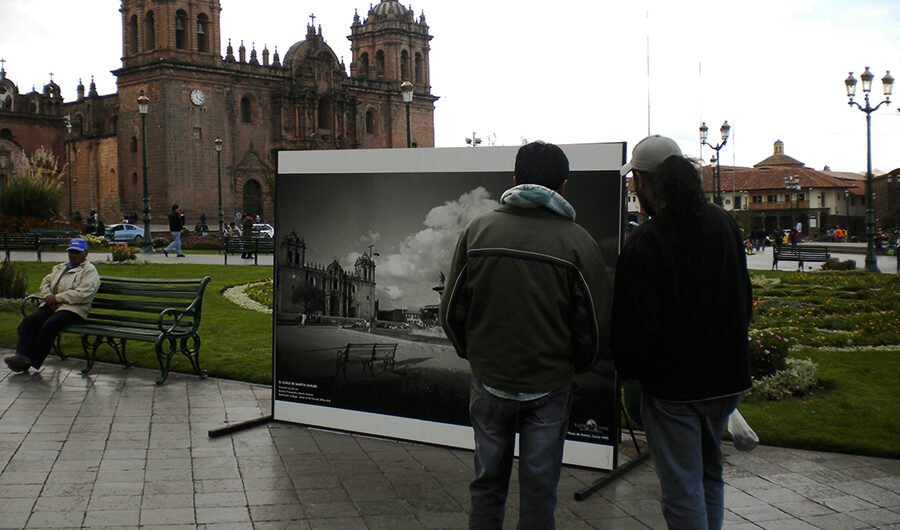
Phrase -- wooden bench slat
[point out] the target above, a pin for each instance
(149, 291)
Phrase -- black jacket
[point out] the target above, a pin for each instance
(527, 299)
(176, 223)
(680, 317)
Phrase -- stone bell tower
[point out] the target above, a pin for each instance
(389, 47)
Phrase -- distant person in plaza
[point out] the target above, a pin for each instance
(232, 230)
(527, 303)
(247, 233)
(67, 293)
(794, 237)
(176, 223)
(681, 310)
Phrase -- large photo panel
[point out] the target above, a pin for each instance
(364, 240)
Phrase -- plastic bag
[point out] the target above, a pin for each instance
(743, 436)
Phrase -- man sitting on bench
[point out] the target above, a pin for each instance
(67, 293)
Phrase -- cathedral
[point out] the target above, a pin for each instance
(316, 290)
(257, 103)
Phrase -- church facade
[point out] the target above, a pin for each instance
(257, 103)
(318, 290)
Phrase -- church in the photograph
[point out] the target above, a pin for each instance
(256, 101)
(323, 290)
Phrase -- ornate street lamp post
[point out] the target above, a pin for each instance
(406, 90)
(717, 180)
(69, 160)
(143, 104)
(218, 142)
(888, 84)
(792, 183)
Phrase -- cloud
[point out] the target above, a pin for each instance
(371, 237)
(423, 255)
(393, 293)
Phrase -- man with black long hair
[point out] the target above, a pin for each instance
(681, 309)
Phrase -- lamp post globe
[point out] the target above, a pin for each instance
(143, 103)
(406, 90)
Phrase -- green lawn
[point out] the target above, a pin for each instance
(236, 342)
(847, 323)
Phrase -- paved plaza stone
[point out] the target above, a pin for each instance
(114, 450)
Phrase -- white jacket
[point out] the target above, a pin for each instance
(74, 289)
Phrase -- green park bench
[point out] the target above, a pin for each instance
(165, 313)
(55, 236)
(16, 241)
(800, 254)
(256, 245)
(366, 355)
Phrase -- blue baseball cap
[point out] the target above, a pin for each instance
(77, 244)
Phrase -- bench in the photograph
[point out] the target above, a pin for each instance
(367, 355)
(15, 241)
(165, 313)
(256, 245)
(800, 254)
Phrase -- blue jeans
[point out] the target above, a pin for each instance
(542, 425)
(176, 242)
(685, 443)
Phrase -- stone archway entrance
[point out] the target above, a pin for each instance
(252, 200)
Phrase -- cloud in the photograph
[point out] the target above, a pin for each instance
(423, 255)
(371, 237)
(393, 293)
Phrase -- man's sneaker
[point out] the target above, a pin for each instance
(17, 362)
(166, 252)
(180, 256)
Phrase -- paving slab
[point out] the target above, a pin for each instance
(112, 449)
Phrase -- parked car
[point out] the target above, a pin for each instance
(263, 230)
(124, 232)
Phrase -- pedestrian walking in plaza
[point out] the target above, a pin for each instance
(527, 304)
(247, 234)
(176, 224)
(681, 310)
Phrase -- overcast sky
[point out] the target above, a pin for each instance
(567, 71)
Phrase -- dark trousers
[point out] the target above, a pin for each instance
(38, 330)
(542, 427)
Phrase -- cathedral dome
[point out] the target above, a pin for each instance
(390, 8)
(314, 47)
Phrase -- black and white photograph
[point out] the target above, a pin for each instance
(361, 263)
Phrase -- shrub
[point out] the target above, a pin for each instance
(768, 352)
(833, 264)
(799, 377)
(12, 284)
(33, 190)
(95, 241)
(121, 252)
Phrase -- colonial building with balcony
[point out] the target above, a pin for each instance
(780, 191)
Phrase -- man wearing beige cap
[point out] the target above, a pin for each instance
(67, 293)
(681, 308)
